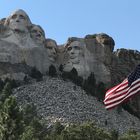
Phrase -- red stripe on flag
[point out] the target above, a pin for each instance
(121, 93)
(114, 89)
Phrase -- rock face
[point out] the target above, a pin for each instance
(58, 100)
(14, 71)
(23, 42)
(23, 45)
(90, 54)
(124, 61)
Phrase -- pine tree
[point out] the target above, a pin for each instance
(36, 74)
(52, 71)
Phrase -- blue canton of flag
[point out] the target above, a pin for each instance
(134, 75)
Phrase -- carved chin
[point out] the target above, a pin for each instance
(75, 61)
(40, 42)
(67, 68)
(18, 28)
(52, 59)
(73, 57)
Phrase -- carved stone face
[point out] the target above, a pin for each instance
(74, 50)
(19, 21)
(38, 34)
(68, 66)
(51, 50)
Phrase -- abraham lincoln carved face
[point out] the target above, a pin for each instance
(75, 51)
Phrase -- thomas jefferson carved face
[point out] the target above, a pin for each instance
(51, 49)
(38, 34)
(18, 21)
(75, 50)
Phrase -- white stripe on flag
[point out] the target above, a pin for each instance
(114, 98)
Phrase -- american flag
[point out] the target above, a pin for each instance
(124, 91)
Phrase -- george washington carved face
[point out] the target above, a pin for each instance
(18, 21)
(37, 34)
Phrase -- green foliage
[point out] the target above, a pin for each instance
(6, 92)
(100, 91)
(90, 85)
(36, 74)
(28, 134)
(29, 113)
(52, 71)
(73, 76)
(1, 84)
(85, 131)
(114, 135)
(131, 135)
(11, 119)
(17, 123)
(61, 68)
(12, 82)
(127, 106)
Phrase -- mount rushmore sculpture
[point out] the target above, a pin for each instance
(22, 42)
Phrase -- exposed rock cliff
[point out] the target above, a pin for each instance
(23, 45)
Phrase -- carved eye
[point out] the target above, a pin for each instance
(69, 48)
(21, 17)
(14, 16)
(49, 47)
(40, 33)
(34, 31)
(76, 47)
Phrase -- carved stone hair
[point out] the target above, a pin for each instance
(33, 25)
(81, 43)
(19, 10)
(50, 40)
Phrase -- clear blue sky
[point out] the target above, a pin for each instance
(66, 18)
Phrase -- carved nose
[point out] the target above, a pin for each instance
(17, 20)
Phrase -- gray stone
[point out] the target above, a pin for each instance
(57, 100)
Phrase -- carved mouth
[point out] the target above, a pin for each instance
(17, 30)
(38, 35)
(52, 55)
(72, 56)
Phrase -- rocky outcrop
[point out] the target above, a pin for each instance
(24, 42)
(58, 100)
(90, 54)
(23, 45)
(14, 71)
(124, 61)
